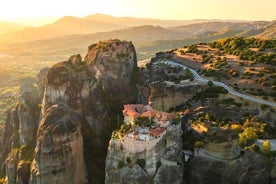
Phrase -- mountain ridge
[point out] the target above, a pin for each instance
(70, 25)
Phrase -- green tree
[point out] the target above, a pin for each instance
(128, 159)
(207, 117)
(246, 123)
(266, 148)
(121, 164)
(124, 129)
(210, 83)
(141, 162)
(248, 137)
(143, 121)
(198, 144)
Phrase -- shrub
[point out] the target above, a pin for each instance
(198, 144)
(248, 136)
(121, 147)
(234, 73)
(121, 164)
(128, 159)
(236, 128)
(253, 147)
(158, 164)
(141, 162)
(264, 107)
(266, 148)
(143, 121)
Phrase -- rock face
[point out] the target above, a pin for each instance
(221, 162)
(23, 172)
(9, 140)
(41, 80)
(169, 95)
(112, 63)
(249, 168)
(59, 149)
(107, 70)
(18, 137)
(222, 143)
(167, 87)
(70, 133)
(161, 160)
(80, 105)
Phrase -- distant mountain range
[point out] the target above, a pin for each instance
(8, 27)
(103, 23)
(70, 34)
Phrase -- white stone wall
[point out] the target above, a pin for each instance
(136, 146)
(162, 123)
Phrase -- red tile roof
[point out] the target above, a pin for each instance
(132, 113)
(157, 131)
(136, 110)
(149, 113)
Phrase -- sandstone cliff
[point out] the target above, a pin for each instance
(221, 162)
(249, 168)
(58, 156)
(81, 102)
(167, 87)
(18, 137)
(72, 141)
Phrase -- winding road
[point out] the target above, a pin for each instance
(229, 89)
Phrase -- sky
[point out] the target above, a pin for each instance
(40, 11)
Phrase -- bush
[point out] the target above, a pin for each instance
(192, 49)
(248, 136)
(236, 128)
(121, 164)
(266, 148)
(234, 73)
(158, 164)
(240, 46)
(253, 147)
(264, 107)
(124, 129)
(141, 162)
(128, 159)
(143, 121)
(198, 144)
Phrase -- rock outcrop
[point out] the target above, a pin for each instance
(81, 102)
(249, 168)
(161, 160)
(222, 144)
(18, 138)
(221, 162)
(167, 87)
(59, 149)
(169, 95)
(80, 105)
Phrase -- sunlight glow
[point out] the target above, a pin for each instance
(161, 9)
